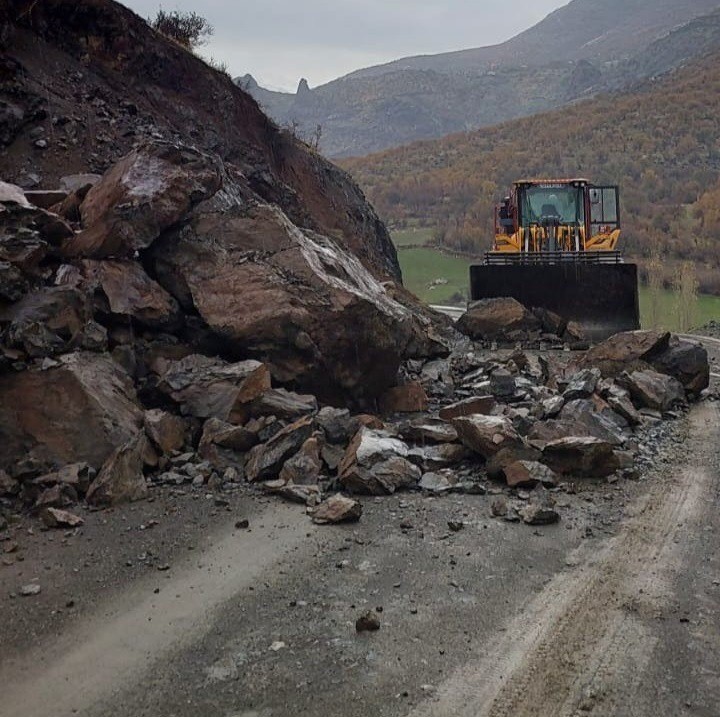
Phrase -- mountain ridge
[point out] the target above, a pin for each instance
(407, 100)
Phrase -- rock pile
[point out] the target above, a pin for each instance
(228, 318)
(170, 330)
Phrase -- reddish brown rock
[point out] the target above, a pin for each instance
(650, 389)
(305, 306)
(495, 318)
(224, 444)
(468, 407)
(337, 509)
(58, 496)
(150, 189)
(166, 431)
(282, 404)
(514, 452)
(78, 411)
(121, 478)
(130, 292)
(526, 474)
(408, 398)
(266, 460)
(48, 322)
(429, 430)
(486, 435)
(206, 387)
(305, 467)
(624, 350)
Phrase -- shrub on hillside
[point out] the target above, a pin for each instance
(187, 28)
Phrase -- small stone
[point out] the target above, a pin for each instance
(455, 525)
(242, 524)
(499, 508)
(369, 622)
(31, 589)
(277, 646)
(56, 518)
(337, 509)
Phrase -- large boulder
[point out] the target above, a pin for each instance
(289, 297)
(687, 361)
(497, 318)
(650, 389)
(626, 350)
(206, 387)
(150, 189)
(78, 411)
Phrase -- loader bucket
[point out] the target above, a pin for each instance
(602, 298)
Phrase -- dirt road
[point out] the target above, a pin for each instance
(613, 612)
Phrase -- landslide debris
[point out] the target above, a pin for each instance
(220, 310)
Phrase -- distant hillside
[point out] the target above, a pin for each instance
(660, 143)
(584, 47)
(695, 39)
(596, 30)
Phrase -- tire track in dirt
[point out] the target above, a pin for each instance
(581, 645)
(124, 638)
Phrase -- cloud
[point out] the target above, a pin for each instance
(279, 41)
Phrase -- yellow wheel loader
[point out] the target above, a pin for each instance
(556, 248)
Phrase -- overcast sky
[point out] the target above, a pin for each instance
(280, 41)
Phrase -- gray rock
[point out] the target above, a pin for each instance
(502, 383)
(582, 384)
(653, 390)
(428, 430)
(337, 424)
(438, 482)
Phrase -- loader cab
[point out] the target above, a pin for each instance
(551, 205)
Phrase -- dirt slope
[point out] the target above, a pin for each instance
(89, 79)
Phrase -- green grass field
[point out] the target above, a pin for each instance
(412, 237)
(421, 267)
